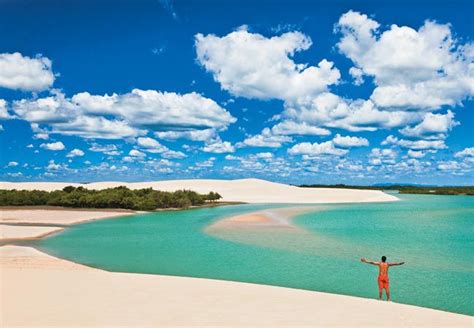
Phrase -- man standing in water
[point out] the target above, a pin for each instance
(383, 274)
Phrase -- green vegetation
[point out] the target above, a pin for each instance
(469, 190)
(119, 197)
(405, 189)
(342, 186)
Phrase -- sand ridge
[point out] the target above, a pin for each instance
(262, 219)
(273, 228)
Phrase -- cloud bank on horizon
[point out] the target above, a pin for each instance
(380, 107)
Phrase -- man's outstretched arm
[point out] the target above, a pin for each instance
(364, 260)
(396, 263)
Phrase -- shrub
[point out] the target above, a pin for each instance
(118, 197)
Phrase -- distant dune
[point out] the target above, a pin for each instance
(242, 190)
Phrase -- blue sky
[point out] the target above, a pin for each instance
(297, 92)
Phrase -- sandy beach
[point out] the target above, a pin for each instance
(33, 223)
(242, 190)
(42, 291)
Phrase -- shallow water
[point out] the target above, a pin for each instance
(433, 234)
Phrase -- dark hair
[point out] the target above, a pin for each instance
(384, 258)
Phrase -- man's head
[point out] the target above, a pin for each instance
(384, 258)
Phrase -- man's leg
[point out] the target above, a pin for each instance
(380, 293)
(387, 292)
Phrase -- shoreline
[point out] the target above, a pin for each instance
(10, 231)
(89, 296)
(63, 208)
(13, 240)
(41, 270)
(19, 224)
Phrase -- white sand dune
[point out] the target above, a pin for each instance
(38, 290)
(243, 190)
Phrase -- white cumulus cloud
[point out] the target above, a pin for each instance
(219, 147)
(124, 115)
(136, 153)
(154, 109)
(254, 66)
(415, 144)
(434, 126)
(108, 149)
(449, 166)
(289, 127)
(151, 145)
(173, 154)
(4, 115)
(357, 74)
(331, 111)
(413, 69)
(416, 154)
(20, 72)
(194, 135)
(380, 156)
(265, 139)
(315, 149)
(53, 146)
(96, 127)
(348, 142)
(466, 152)
(75, 153)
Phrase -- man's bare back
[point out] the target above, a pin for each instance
(383, 280)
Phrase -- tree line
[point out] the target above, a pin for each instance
(118, 197)
(406, 189)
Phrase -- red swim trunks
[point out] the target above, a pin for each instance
(383, 282)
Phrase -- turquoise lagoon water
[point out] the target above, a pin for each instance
(433, 234)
